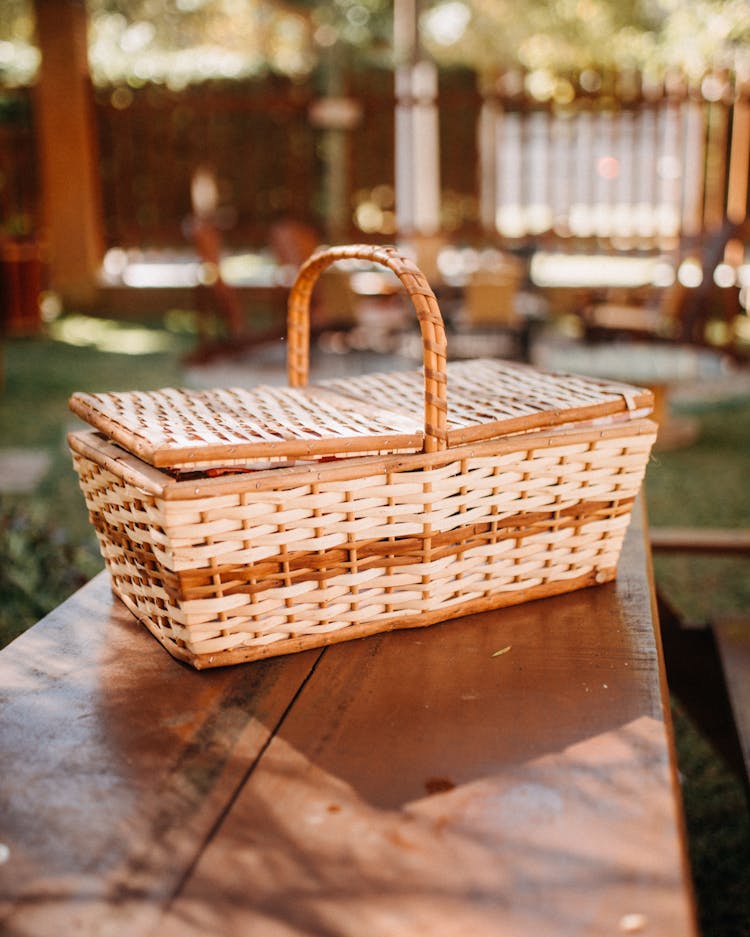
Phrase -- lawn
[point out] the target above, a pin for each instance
(47, 548)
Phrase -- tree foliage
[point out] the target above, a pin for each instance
(177, 42)
(566, 36)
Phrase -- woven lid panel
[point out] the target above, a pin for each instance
(488, 397)
(182, 428)
(376, 413)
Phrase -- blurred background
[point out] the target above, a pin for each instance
(601, 148)
(571, 175)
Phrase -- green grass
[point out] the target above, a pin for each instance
(705, 485)
(47, 549)
(40, 563)
(718, 833)
(708, 485)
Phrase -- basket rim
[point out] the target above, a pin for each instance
(92, 444)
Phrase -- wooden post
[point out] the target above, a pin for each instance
(739, 156)
(71, 200)
(716, 156)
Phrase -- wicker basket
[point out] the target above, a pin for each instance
(240, 524)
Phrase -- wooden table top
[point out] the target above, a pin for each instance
(508, 773)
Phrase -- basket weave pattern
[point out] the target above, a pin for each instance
(522, 490)
(241, 575)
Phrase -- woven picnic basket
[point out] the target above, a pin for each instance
(240, 524)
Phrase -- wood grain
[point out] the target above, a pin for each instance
(506, 773)
(117, 762)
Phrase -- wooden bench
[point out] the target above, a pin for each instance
(509, 773)
(709, 662)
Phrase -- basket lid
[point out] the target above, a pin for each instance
(373, 414)
(398, 412)
(191, 430)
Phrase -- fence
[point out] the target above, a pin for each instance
(630, 170)
(635, 169)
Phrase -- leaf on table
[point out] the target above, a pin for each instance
(503, 650)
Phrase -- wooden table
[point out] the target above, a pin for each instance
(508, 773)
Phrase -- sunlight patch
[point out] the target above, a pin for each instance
(110, 336)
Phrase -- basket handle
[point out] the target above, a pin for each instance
(428, 313)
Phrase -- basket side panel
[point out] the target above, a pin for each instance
(246, 575)
(129, 527)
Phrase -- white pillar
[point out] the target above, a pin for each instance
(417, 149)
(489, 117)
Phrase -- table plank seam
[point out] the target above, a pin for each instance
(227, 808)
